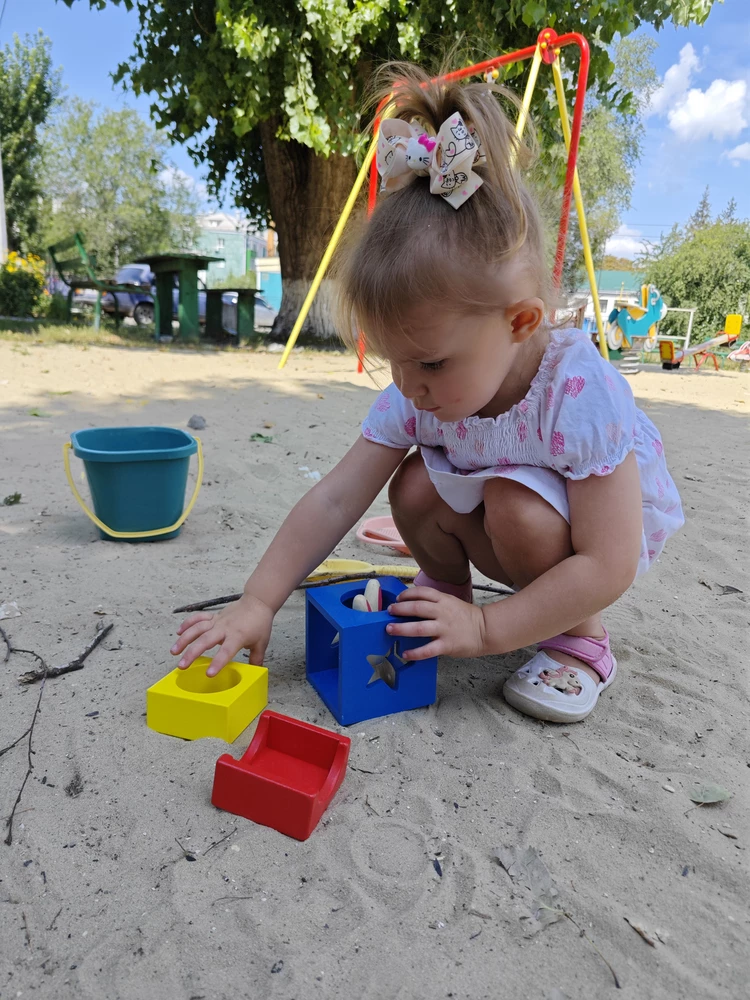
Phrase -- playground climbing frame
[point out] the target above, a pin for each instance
(547, 50)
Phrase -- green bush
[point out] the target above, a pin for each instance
(21, 282)
(247, 280)
(53, 307)
(706, 266)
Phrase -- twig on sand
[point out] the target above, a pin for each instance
(306, 584)
(569, 737)
(26, 930)
(583, 934)
(217, 842)
(54, 920)
(6, 640)
(641, 932)
(188, 855)
(212, 603)
(32, 676)
(28, 733)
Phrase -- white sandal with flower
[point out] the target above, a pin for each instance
(556, 692)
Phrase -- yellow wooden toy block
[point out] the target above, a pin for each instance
(188, 704)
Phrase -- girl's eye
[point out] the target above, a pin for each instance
(431, 366)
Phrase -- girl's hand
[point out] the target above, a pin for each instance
(458, 628)
(244, 624)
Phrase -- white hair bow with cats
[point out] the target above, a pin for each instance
(405, 151)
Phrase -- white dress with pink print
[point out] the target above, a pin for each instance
(578, 419)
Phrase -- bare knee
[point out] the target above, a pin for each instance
(513, 511)
(528, 535)
(411, 492)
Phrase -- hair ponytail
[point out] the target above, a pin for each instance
(416, 247)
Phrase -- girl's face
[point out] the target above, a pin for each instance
(455, 366)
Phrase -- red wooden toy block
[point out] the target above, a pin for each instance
(287, 776)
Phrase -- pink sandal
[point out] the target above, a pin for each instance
(556, 692)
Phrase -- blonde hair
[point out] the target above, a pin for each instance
(416, 248)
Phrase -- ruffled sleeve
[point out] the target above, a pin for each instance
(588, 418)
(392, 420)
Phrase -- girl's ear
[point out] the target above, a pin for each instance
(525, 318)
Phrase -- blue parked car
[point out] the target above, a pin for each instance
(139, 304)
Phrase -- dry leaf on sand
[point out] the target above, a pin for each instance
(526, 868)
(706, 795)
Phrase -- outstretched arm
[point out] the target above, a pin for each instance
(321, 519)
(308, 535)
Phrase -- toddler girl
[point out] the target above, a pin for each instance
(532, 461)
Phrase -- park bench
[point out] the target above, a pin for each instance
(76, 269)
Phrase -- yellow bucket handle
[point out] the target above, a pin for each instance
(67, 446)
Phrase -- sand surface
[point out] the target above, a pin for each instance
(98, 901)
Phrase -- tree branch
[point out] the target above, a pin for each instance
(30, 678)
(6, 640)
(306, 584)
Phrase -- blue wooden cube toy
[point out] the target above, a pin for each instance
(352, 662)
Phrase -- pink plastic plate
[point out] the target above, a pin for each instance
(382, 531)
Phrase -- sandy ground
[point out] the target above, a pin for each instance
(99, 902)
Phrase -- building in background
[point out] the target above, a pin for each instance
(231, 237)
(268, 271)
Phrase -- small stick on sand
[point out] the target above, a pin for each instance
(212, 603)
(306, 584)
(217, 842)
(585, 935)
(32, 676)
(8, 647)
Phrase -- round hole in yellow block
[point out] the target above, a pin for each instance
(194, 679)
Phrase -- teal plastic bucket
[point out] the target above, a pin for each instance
(137, 478)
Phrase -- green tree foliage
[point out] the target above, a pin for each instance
(29, 90)
(701, 217)
(259, 90)
(612, 263)
(706, 266)
(105, 174)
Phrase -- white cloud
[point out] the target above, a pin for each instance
(739, 153)
(676, 81)
(626, 242)
(719, 112)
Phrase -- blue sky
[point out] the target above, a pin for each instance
(698, 132)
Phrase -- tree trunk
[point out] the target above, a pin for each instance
(307, 193)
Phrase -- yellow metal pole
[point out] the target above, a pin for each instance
(523, 115)
(323, 267)
(560, 91)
